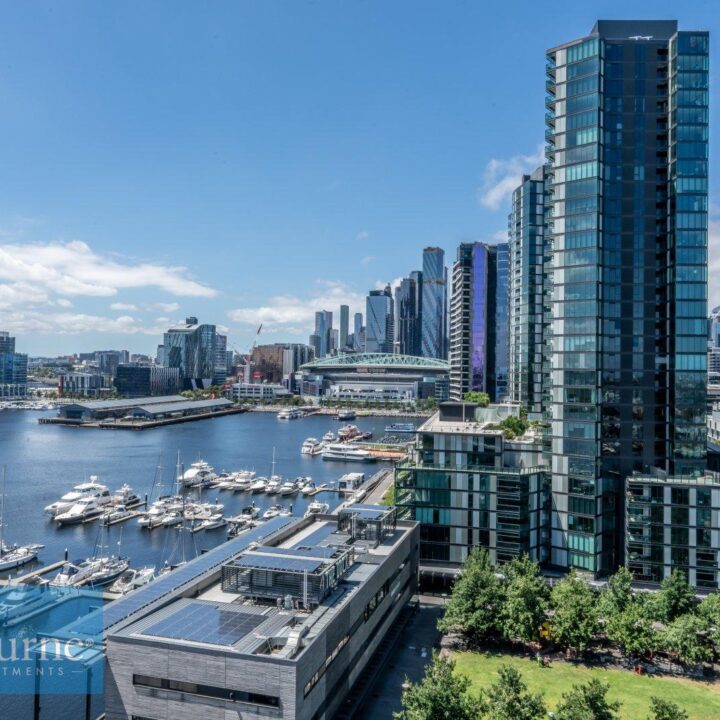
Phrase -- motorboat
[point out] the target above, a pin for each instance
(273, 485)
(17, 555)
(109, 570)
(329, 437)
(82, 511)
(251, 512)
(198, 474)
(174, 517)
(348, 432)
(80, 492)
(311, 446)
(258, 486)
(126, 496)
(346, 453)
(308, 488)
(154, 516)
(289, 488)
(208, 521)
(75, 574)
(273, 511)
(115, 514)
(18, 602)
(132, 579)
(346, 415)
(226, 481)
(317, 508)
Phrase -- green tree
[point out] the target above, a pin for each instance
(513, 426)
(709, 611)
(441, 695)
(480, 398)
(683, 637)
(618, 594)
(675, 598)
(526, 600)
(587, 702)
(632, 628)
(575, 618)
(476, 602)
(665, 710)
(509, 699)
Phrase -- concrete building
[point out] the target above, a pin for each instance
(467, 485)
(278, 623)
(13, 369)
(192, 348)
(135, 380)
(87, 384)
(263, 392)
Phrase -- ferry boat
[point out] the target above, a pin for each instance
(400, 428)
(290, 414)
(346, 415)
(312, 446)
(347, 453)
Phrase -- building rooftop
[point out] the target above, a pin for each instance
(377, 360)
(128, 403)
(181, 406)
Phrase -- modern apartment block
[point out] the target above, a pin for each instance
(408, 317)
(468, 485)
(380, 321)
(192, 348)
(434, 304)
(527, 286)
(13, 369)
(135, 380)
(627, 134)
(479, 338)
(279, 623)
(672, 523)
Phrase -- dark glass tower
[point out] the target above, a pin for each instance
(407, 323)
(434, 303)
(627, 132)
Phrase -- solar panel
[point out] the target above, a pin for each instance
(206, 623)
(301, 550)
(277, 562)
(317, 536)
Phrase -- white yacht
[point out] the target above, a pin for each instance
(174, 517)
(273, 511)
(273, 485)
(329, 437)
(16, 556)
(226, 481)
(198, 474)
(82, 511)
(346, 453)
(250, 512)
(289, 488)
(317, 508)
(114, 514)
(132, 579)
(18, 602)
(125, 496)
(290, 414)
(312, 446)
(258, 486)
(211, 521)
(79, 492)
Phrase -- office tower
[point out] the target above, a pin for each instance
(379, 333)
(344, 323)
(314, 343)
(13, 369)
(160, 355)
(714, 328)
(108, 361)
(135, 380)
(434, 303)
(627, 132)
(479, 321)
(191, 348)
(334, 340)
(358, 342)
(407, 317)
(526, 233)
(220, 372)
(323, 329)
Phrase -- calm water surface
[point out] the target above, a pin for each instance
(44, 462)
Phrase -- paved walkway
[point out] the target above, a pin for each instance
(375, 496)
(408, 658)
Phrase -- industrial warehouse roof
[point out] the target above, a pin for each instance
(410, 362)
(181, 406)
(129, 403)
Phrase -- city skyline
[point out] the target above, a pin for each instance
(79, 270)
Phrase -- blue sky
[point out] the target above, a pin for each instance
(245, 161)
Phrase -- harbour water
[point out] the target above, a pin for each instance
(44, 462)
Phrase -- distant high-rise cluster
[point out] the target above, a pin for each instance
(13, 369)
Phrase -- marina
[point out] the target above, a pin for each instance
(45, 463)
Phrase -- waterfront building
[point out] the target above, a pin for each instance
(434, 341)
(86, 384)
(280, 622)
(627, 133)
(220, 372)
(135, 380)
(408, 315)
(344, 327)
(94, 410)
(671, 524)
(479, 322)
(191, 347)
(374, 376)
(262, 392)
(13, 369)
(468, 485)
(380, 328)
(527, 251)
(358, 342)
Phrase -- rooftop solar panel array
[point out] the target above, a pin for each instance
(317, 536)
(278, 562)
(206, 623)
(300, 551)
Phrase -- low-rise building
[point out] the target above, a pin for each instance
(259, 392)
(86, 384)
(673, 523)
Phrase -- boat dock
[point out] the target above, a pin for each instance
(39, 572)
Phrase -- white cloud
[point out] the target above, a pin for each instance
(166, 307)
(368, 259)
(62, 323)
(63, 303)
(501, 177)
(294, 315)
(123, 306)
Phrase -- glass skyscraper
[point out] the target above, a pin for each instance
(379, 318)
(627, 133)
(192, 348)
(407, 322)
(13, 369)
(344, 323)
(434, 303)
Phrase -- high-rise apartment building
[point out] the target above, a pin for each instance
(380, 328)
(479, 329)
(344, 323)
(627, 132)
(323, 330)
(220, 372)
(358, 341)
(434, 304)
(526, 238)
(191, 347)
(407, 316)
(13, 369)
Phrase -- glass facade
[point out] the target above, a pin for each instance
(434, 304)
(192, 349)
(499, 330)
(407, 324)
(627, 231)
(379, 314)
(13, 369)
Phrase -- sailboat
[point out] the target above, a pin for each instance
(13, 556)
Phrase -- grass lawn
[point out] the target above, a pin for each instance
(700, 700)
(388, 497)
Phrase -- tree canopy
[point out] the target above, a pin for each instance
(575, 617)
(526, 600)
(509, 699)
(587, 702)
